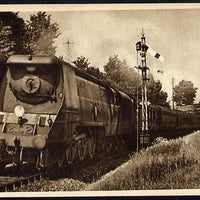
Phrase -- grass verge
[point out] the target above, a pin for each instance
(172, 164)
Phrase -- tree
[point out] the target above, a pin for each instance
(13, 37)
(35, 37)
(124, 78)
(96, 72)
(121, 76)
(81, 63)
(184, 93)
(155, 93)
(42, 33)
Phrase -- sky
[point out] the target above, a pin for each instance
(99, 34)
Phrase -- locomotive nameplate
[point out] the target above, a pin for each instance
(26, 129)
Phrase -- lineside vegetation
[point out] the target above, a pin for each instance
(172, 164)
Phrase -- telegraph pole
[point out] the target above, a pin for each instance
(142, 48)
(173, 93)
(69, 49)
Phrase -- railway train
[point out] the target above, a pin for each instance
(51, 113)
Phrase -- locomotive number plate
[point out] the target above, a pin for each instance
(16, 129)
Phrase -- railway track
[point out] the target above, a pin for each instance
(11, 185)
(85, 172)
(76, 178)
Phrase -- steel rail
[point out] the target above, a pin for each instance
(8, 187)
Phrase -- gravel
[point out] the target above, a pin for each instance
(77, 178)
(64, 184)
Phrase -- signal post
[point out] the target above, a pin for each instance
(143, 136)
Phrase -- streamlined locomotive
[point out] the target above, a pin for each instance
(53, 113)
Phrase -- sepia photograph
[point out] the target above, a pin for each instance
(100, 98)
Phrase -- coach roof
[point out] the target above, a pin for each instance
(29, 59)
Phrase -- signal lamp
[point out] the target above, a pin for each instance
(138, 46)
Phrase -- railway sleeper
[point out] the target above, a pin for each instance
(19, 183)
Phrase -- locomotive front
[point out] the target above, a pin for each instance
(32, 98)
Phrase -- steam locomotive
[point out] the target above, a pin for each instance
(51, 113)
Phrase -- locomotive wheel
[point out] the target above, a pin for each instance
(70, 153)
(92, 145)
(82, 149)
